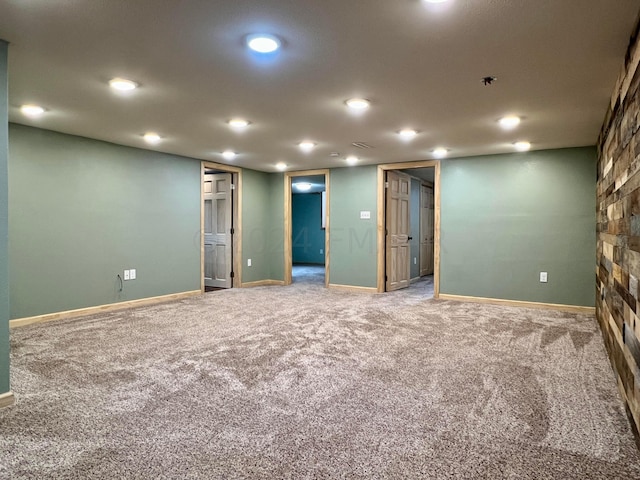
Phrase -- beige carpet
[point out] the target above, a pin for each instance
(302, 382)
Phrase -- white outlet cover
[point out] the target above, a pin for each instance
(126, 274)
(248, 262)
(132, 274)
(365, 215)
(543, 277)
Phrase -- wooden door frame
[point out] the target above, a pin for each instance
(236, 238)
(382, 218)
(288, 246)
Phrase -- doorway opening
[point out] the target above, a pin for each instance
(409, 227)
(220, 239)
(307, 227)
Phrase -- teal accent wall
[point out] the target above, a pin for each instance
(414, 243)
(506, 218)
(81, 211)
(353, 259)
(307, 233)
(4, 222)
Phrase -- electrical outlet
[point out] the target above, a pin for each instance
(132, 274)
(248, 262)
(543, 277)
(126, 275)
(321, 251)
(365, 215)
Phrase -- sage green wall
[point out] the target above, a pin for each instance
(256, 223)
(353, 259)
(262, 226)
(81, 211)
(4, 224)
(276, 226)
(506, 218)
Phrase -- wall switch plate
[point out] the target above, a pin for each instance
(543, 277)
(126, 275)
(132, 274)
(248, 262)
(415, 260)
(321, 251)
(365, 215)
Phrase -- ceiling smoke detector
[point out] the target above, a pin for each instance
(488, 80)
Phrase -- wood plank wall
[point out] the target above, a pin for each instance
(618, 230)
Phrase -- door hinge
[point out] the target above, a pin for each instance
(233, 231)
(232, 274)
(233, 186)
(386, 278)
(386, 184)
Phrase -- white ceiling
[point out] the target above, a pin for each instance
(420, 65)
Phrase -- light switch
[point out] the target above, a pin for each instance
(126, 274)
(543, 277)
(132, 274)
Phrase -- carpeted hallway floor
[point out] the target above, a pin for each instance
(302, 382)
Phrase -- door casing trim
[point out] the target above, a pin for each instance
(237, 220)
(381, 217)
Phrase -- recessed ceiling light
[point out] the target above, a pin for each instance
(436, 1)
(303, 186)
(407, 133)
(122, 84)
(152, 138)
(306, 146)
(358, 103)
(238, 123)
(263, 43)
(32, 110)
(351, 160)
(229, 154)
(509, 122)
(281, 166)
(522, 146)
(440, 152)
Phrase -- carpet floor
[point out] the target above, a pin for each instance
(302, 382)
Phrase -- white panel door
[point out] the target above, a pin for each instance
(398, 198)
(217, 230)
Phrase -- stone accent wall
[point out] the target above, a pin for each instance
(618, 230)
